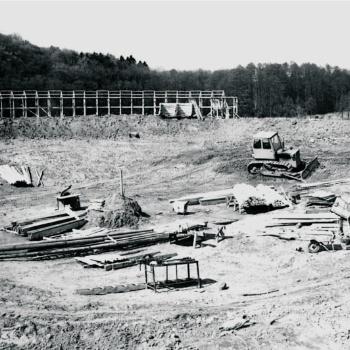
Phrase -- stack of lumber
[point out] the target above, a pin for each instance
(321, 199)
(325, 227)
(303, 219)
(76, 233)
(244, 195)
(212, 197)
(119, 261)
(321, 184)
(40, 227)
(16, 177)
(113, 240)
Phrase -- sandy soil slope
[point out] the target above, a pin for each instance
(308, 303)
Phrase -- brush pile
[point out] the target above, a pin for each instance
(262, 196)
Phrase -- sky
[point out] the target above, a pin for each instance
(189, 35)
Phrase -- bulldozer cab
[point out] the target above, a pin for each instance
(266, 145)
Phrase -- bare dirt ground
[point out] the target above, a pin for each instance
(308, 305)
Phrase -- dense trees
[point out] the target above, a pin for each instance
(263, 90)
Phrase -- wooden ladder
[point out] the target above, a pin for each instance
(197, 110)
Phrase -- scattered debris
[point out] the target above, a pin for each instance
(110, 289)
(223, 286)
(262, 293)
(321, 199)
(134, 134)
(232, 325)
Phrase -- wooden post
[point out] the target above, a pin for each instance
(198, 277)
(84, 103)
(49, 104)
(154, 103)
(146, 279)
(108, 103)
(96, 103)
(188, 271)
(120, 103)
(12, 114)
(61, 105)
(131, 103)
(143, 103)
(177, 97)
(154, 278)
(37, 110)
(166, 96)
(121, 184)
(23, 104)
(195, 240)
(1, 110)
(73, 103)
(341, 226)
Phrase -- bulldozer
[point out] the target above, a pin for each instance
(272, 158)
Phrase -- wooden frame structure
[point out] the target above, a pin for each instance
(152, 283)
(53, 103)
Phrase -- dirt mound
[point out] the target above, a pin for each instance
(118, 212)
(100, 127)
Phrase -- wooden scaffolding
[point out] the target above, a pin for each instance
(56, 103)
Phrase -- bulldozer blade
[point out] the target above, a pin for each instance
(309, 168)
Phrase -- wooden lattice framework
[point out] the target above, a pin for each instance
(54, 103)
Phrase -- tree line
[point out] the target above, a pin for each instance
(263, 90)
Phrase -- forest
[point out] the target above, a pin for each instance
(263, 90)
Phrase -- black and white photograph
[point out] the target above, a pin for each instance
(174, 175)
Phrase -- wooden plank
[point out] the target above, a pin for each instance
(23, 230)
(60, 243)
(53, 230)
(39, 218)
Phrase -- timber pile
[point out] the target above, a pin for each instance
(304, 219)
(76, 233)
(320, 199)
(119, 261)
(314, 185)
(206, 197)
(58, 248)
(38, 228)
